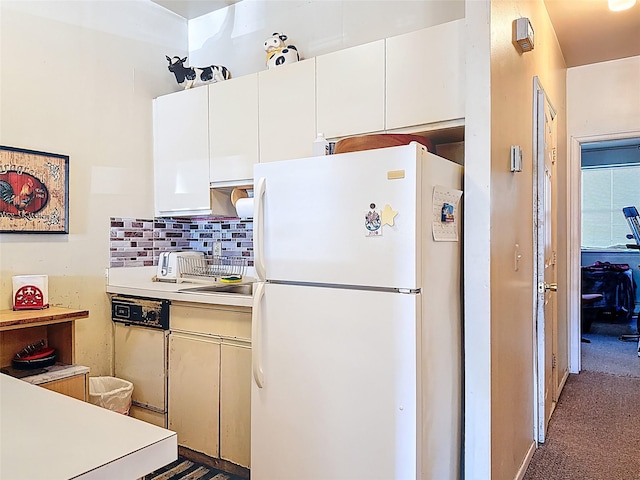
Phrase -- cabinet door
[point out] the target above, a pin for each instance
(235, 403)
(181, 152)
(287, 111)
(140, 358)
(350, 90)
(194, 391)
(425, 76)
(233, 129)
(75, 386)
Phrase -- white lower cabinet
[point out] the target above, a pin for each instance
(210, 380)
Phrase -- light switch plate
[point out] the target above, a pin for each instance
(516, 158)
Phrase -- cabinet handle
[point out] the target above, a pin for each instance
(258, 229)
(256, 335)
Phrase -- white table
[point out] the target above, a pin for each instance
(46, 435)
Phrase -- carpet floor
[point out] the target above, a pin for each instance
(183, 469)
(594, 433)
(607, 353)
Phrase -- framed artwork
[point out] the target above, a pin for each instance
(34, 191)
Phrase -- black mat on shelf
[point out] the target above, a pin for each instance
(14, 372)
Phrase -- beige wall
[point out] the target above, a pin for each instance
(512, 328)
(77, 78)
(604, 98)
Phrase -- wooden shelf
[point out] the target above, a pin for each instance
(12, 319)
(55, 325)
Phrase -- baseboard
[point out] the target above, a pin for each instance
(565, 377)
(525, 463)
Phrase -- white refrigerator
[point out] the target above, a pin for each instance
(356, 336)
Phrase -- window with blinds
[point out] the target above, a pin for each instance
(605, 191)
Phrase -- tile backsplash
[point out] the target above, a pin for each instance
(138, 242)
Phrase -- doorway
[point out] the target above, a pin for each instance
(574, 236)
(610, 181)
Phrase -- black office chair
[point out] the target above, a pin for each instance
(633, 219)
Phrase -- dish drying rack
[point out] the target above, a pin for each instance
(221, 268)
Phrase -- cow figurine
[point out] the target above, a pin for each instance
(189, 77)
(279, 53)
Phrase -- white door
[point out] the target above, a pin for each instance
(334, 390)
(546, 308)
(141, 358)
(317, 217)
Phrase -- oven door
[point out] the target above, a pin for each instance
(141, 357)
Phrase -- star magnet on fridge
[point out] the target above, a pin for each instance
(388, 215)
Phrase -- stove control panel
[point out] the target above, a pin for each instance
(143, 312)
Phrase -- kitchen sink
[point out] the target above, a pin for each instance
(241, 289)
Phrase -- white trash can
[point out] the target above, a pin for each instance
(111, 393)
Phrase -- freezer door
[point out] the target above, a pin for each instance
(337, 376)
(349, 219)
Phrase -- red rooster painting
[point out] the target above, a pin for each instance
(21, 193)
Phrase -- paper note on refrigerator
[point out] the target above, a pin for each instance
(446, 214)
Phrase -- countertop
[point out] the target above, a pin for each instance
(11, 319)
(46, 435)
(56, 372)
(138, 281)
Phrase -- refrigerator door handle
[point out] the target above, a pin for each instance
(258, 232)
(256, 335)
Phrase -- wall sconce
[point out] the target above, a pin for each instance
(523, 34)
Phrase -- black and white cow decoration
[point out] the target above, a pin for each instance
(279, 53)
(189, 77)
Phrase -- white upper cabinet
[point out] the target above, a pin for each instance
(350, 90)
(233, 129)
(181, 153)
(287, 111)
(425, 76)
(215, 134)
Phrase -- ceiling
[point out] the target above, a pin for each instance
(587, 31)
(194, 8)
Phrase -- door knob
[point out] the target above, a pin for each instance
(551, 286)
